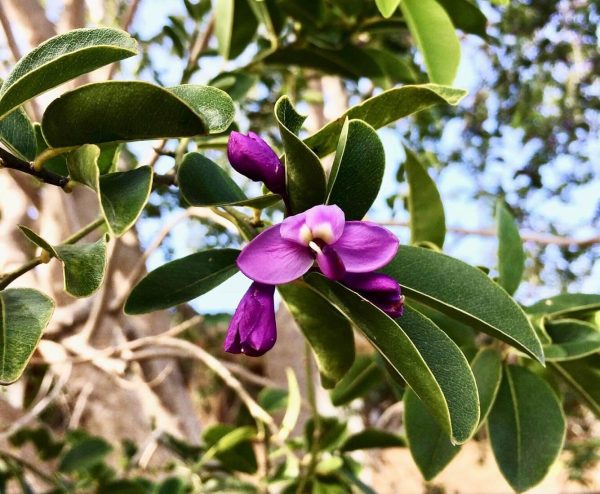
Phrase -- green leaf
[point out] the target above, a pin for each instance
(24, 314)
(62, 58)
(235, 26)
(425, 357)
(18, 135)
(232, 446)
(464, 293)
(83, 264)
(583, 375)
(466, 16)
(182, 280)
(571, 339)
(387, 7)
(487, 369)
(358, 381)
(428, 443)
(566, 305)
(511, 257)
(235, 84)
(172, 485)
(435, 37)
(526, 428)
(273, 399)
(118, 111)
(305, 176)
(385, 108)
(122, 195)
(372, 438)
(357, 171)
(204, 183)
(84, 455)
(332, 341)
(427, 218)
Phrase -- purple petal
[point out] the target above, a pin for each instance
(252, 329)
(330, 264)
(319, 222)
(365, 247)
(379, 289)
(274, 260)
(253, 157)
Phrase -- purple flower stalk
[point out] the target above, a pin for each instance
(252, 329)
(253, 157)
(285, 252)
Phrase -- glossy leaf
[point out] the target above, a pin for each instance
(464, 293)
(387, 7)
(235, 26)
(83, 264)
(305, 176)
(62, 58)
(357, 171)
(427, 218)
(511, 257)
(571, 339)
(372, 438)
(385, 108)
(204, 183)
(419, 351)
(122, 195)
(583, 376)
(24, 314)
(466, 16)
(328, 332)
(487, 369)
(566, 305)
(434, 35)
(134, 110)
(18, 135)
(428, 443)
(358, 381)
(182, 280)
(526, 428)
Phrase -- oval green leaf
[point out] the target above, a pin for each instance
(487, 369)
(332, 342)
(182, 280)
(425, 357)
(305, 177)
(566, 305)
(526, 428)
(583, 376)
(435, 37)
(18, 135)
(571, 339)
(84, 266)
(133, 110)
(466, 16)
(464, 293)
(511, 257)
(427, 218)
(24, 314)
(364, 375)
(61, 59)
(371, 439)
(385, 108)
(357, 171)
(387, 7)
(428, 443)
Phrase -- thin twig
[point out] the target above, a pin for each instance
(7, 160)
(525, 236)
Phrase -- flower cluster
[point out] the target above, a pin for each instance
(346, 251)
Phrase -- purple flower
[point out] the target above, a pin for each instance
(253, 157)
(252, 329)
(284, 252)
(379, 289)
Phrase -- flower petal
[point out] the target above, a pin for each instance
(292, 229)
(365, 246)
(330, 264)
(274, 260)
(380, 289)
(252, 329)
(326, 222)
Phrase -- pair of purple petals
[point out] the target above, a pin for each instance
(346, 251)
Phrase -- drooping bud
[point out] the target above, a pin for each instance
(379, 289)
(253, 157)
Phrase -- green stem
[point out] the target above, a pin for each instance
(8, 278)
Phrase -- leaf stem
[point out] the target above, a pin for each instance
(48, 154)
